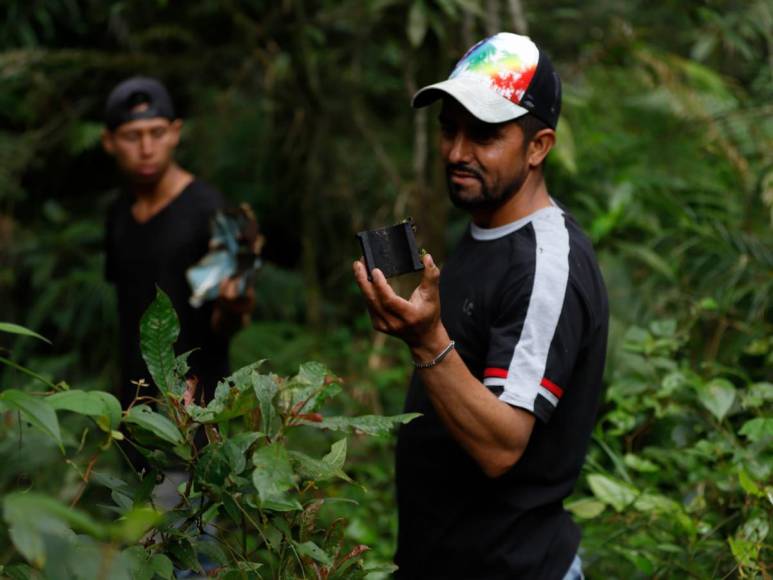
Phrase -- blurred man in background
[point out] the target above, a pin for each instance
(156, 230)
(508, 342)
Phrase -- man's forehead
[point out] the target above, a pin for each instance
(143, 124)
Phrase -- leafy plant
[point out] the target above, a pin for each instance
(251, 504)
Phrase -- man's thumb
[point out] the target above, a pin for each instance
(431, 274)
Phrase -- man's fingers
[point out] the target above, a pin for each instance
(387, 298)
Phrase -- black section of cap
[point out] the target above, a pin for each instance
(133, 92)
(543, 96)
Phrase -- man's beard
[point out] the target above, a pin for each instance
(489, 198)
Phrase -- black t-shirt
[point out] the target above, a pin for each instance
(527, 307)
(140, 256)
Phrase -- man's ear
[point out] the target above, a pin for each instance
(107, 142)
(175, 129)
(541, 144)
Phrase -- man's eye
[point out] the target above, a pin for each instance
(158, 133)
(484, 135)
(131, 136)
(447, 129)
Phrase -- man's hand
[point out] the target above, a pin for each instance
(416, 320)
(232, 309)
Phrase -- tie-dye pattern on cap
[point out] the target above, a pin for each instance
(506, 62)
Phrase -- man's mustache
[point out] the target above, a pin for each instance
(463, 168)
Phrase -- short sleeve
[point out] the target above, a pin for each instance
(536, 337)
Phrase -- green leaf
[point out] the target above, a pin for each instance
(639, 464)
(162, 566)
(159, 329)
(758, 429)
(273, 474)
(135, 524)
(368, 424)
(36, 411)
(586, 508)
(328, 467)
(314, 552)
(744, 551)
(145, 417)
(612, 492)
(717, 396)
(265, 389)
(16, 329)
(31, 516)
(91, 403)
(749, 485)
(235, 448)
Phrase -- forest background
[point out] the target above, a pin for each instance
(301, 108)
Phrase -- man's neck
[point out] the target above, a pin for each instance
(152, 198)
(532, 196)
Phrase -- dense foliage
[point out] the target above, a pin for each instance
(665, 156)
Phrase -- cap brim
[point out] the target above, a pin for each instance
(479, 99)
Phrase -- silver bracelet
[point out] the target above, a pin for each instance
(437, 360)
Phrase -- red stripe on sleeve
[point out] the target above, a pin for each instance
(552, 387)
(492, 372)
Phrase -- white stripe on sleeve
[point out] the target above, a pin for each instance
(551, 276)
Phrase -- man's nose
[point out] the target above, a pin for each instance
(146, 145)
(459, 152)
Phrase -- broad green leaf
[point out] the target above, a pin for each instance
(323, 469)
(184, 553)
(16, 329)
(717, 396)
(36, 410)
(265, 388)
(162, 566)
(639, 464)
(586, 508)
(234, 397)
(31, 517)
(314, 552)
(756, 529)
(310, 388)
(92, 403)
(368, 424)
(135, 524)
(758, 429)
(749, 485)
(138, 561)
(235, 448)
(612, 492)
(744, 551)
(159, 329)
(273, 474)
(145, 417)
(213, 467)
(757, 395)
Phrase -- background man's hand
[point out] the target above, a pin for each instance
(416, 320)
(232, 309)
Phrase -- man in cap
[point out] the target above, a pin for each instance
(156, 230)
(508, 341)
